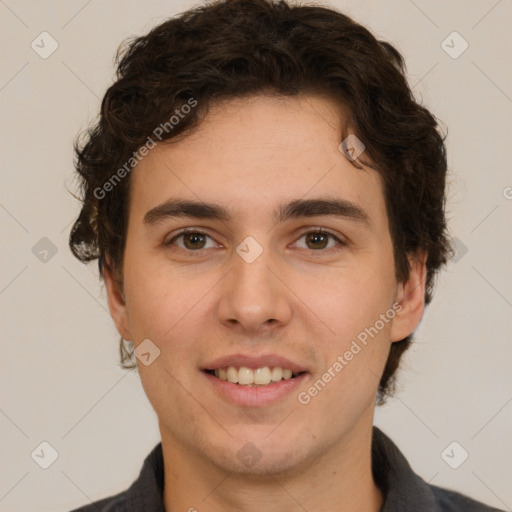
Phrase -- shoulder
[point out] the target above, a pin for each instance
(114, 503)
(451, 501)
(404, 490)
(145, 493)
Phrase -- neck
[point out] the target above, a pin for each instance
(341, 478)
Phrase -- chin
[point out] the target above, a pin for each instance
(261, 452)
(252, 461)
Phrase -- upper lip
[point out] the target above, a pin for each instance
(239, 360)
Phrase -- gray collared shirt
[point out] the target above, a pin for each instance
(403, 490)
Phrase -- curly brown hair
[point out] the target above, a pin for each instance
(234, 48)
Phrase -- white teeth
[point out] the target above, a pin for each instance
(245, 376)
(277, 373)
(260, 376)
(232, 375)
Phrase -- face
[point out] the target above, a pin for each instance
(255, 244)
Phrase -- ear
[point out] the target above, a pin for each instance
(411, 297)
(116, 302)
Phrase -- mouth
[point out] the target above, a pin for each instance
(254, 381)
(253, 377)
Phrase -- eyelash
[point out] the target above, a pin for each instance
(319, 231)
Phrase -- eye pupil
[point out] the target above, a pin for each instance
(194, 240)
(318, 240)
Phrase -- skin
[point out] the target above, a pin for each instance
(297, 300)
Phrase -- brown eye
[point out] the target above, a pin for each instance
(317, 240)
(194, 240)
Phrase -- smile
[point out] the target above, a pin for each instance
(252, 394)
(245, 376)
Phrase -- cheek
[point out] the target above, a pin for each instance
(353, 358)
(160, 302)
(349, 301)
(347, 308)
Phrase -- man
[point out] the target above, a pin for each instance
(265, 199)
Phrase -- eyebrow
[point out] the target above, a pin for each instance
(291, 210)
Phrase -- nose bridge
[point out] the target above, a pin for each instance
(253, 295)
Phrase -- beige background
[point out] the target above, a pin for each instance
(60, 381)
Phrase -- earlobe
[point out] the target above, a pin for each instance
(411, 297)
(116, 302)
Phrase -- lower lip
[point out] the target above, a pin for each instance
(255, 396)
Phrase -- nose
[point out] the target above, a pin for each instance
(254, 296)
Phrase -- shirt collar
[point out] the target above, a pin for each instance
(401, 487)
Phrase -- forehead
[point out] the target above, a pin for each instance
(252, 154)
